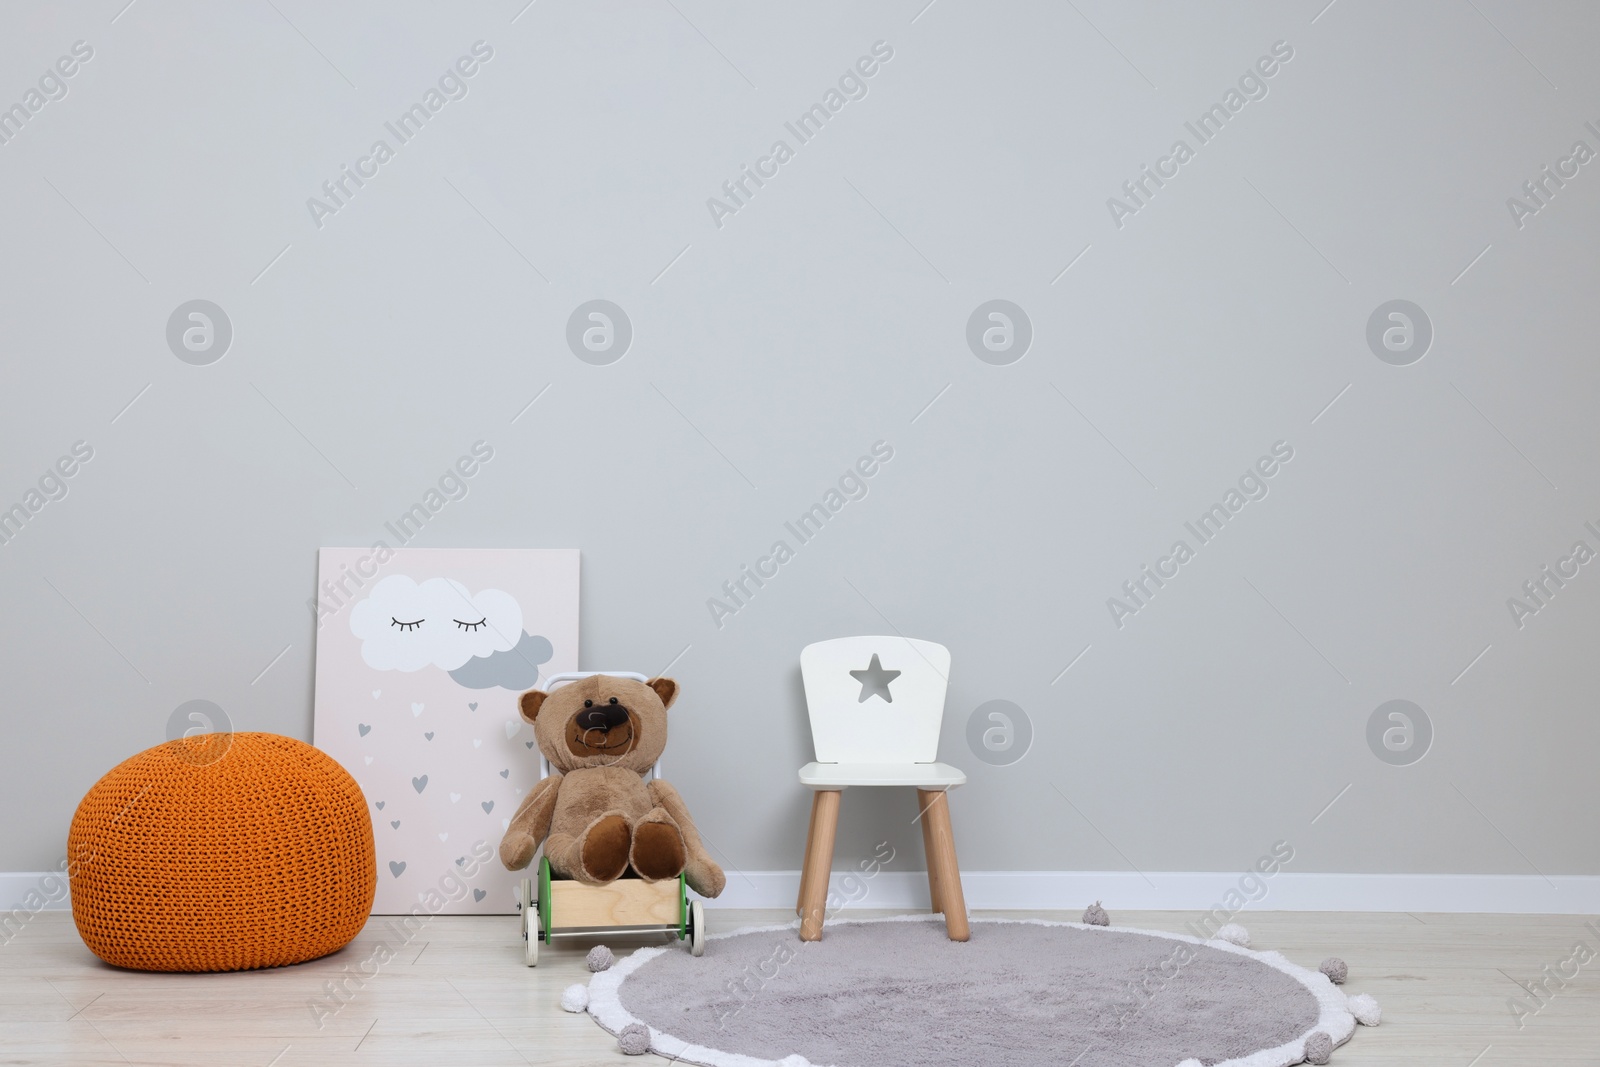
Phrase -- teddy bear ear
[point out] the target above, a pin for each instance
(531, 701)
(666, 689)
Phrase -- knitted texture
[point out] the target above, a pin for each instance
(222, 852)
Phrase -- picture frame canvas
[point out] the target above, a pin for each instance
(421, 658)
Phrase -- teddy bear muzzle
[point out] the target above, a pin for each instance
(602, 717)
(608, 729)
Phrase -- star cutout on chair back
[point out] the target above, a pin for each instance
(875, 681)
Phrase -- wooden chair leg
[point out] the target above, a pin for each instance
(924, 798)
(946, 871)
(819, 861)
(805, 865)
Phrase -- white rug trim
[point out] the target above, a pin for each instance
(605, 1000)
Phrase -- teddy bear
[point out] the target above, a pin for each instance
(597, 816)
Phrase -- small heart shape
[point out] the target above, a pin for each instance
(429, 735)
(462, 862)
(444, 837)
(487, 806)
(505, 824)
(416, 709)
(369, 761)
(476, 743)
(376, 693)
(419, 784)
(381, 803)
(395, 823)
(513, 726)
(454, 797)
(364, 728)
(506, 773)
(528, 743)
(473, 705)
(478, 895)
(396, 869)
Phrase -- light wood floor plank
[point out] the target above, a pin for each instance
(455, 992)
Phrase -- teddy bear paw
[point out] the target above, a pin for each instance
(604, 853)
(707, 879)
(516, 850)
(658, 851)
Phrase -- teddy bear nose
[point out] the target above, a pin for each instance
(603, 717)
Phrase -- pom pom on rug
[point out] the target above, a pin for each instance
(575, 997)
(599, 958)
(1095, 915)
(1319, 1048)
(634, 1039)
(1365, 1009)
(1335, 969)
(1234, 934)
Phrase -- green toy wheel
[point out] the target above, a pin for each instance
(683, 907)
(544, 895)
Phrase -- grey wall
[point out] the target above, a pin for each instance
(769, 352)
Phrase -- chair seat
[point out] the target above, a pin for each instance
(843, 775)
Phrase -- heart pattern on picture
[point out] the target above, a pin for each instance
(368, 759)
(444, 837)
(454, 797)
(364, 728)
(505, 824)
(472, 705)
(478, 895)
(381, 803)
(513, 727)
(395, 823)
(397, 868)
(506, 773)
(376, 693)
(488, 806)
(477, 742)
(416, 709)
(429, 735)
(530, 744)
(419, 784)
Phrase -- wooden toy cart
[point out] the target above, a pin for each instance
(563, 908)
(559, 907)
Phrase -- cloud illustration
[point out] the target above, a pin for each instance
(406, 626)
(517, 669)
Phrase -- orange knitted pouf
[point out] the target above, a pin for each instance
(222, 852)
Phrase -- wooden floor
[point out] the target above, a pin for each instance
(458, 994)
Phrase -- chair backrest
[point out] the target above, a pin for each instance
(852, 721)
(563, 678)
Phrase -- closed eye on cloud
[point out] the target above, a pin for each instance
(469, 626)
(405, 625)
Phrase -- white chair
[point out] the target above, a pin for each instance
(876, 704)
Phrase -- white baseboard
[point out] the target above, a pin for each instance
(1072, 891)
(1121, 890)
(15, 887)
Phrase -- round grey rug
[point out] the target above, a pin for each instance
(898, 993)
